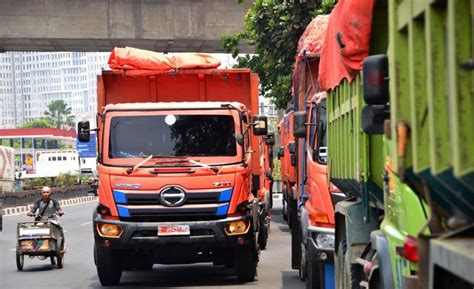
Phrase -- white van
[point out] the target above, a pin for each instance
(52, 163)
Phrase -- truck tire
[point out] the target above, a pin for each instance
(339, 264)
(345, 273)
(313, 274)
(302, 270)
(245, 261)
(295, 241)
(263, 233)
(109, 268)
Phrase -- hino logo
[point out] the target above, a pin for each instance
(172, 196)
(127, 186)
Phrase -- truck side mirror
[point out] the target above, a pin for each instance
(281, 152)
(299, 124)
(375, 79)
(83, 131)
(270, 139)
(259, 125)
(292, 148)
(373, 118)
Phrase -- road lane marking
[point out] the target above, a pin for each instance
(86, 223)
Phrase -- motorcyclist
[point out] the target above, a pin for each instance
(47, 208)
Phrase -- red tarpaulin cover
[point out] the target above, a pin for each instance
(347, 42)
(129, 59)
(313, 37)
(311, 42)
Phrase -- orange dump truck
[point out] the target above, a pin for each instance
(178, 164)
(287, 156)
(265, 194)
(313, 232)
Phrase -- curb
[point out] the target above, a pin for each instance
(64, 203)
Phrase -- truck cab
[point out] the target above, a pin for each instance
(178, 166)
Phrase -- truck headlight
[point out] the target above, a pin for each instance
(109, 230)
(325, 241)
(237, 228)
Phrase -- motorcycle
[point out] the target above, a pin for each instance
(41, 239)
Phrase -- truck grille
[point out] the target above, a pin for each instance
(140, 206)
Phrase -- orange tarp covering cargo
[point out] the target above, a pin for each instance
(347, 42)
(134, 61)
(310, 43)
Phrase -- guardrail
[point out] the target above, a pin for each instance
(24, 198)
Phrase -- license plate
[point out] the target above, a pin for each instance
(173, 230)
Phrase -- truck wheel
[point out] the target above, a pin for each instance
(20, 260)
(109, 268)
(263, 233)
(302, 270)
(295, 242)
(313, 274)
(345, 272)
(245, 261)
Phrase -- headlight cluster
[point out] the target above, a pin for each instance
(325, 241)
(237, 228)
(109, 230)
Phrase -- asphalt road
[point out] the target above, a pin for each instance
(79, 271)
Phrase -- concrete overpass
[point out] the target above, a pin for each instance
(100, 25)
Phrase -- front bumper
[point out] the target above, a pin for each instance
(206, 238)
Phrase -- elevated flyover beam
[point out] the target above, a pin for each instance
(100, 25)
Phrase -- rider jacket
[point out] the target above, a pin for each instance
(49, 212)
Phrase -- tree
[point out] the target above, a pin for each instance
(59, 114)
(37, 123)
(274, 27)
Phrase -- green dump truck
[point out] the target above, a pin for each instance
(400, 112)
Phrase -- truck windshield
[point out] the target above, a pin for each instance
(172, 135)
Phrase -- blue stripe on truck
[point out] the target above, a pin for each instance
(222, 210)
(123, 212)
(225, 195)
(119, 197)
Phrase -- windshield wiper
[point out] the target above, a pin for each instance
(132, 169)
(214, 169)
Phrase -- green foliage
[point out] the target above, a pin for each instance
(60, 181)
(37, 183)
(274, 28)
(59, 114)
(276, 173)
(66, 180)
(38, 123)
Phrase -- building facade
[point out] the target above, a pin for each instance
(29, 81)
